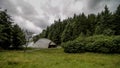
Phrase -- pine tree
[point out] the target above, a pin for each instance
(116, 21)
(104, 21)
(67, 33)
(10, 35)
(18, 38)
(91, 24)
(5, 30)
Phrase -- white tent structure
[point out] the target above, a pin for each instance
(44, 43)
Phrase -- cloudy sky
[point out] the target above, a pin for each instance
(36, 15)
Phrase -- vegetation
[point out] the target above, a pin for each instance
(104, 23)
(56, 58)
(73, 47)
(11, 36)
(81, 34)
(98, 43)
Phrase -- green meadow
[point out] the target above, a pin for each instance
(56, 58)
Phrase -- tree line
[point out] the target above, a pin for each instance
(11, 35)
(103, 23)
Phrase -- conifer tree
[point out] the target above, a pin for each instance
(116, 21)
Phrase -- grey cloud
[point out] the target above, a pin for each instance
(94, 3)
(98, 5)
(28, 14)
(52, 10)
(7, 4)
(27, 8)
(40, 22)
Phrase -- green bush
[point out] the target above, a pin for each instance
(73, 47)
(101, 46)
(115, 48)
(98, 43)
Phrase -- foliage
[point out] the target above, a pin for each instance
(73, 47)
(5, 30)
(10, 35)
(18, 38)
(98, 43)
(116, 24)
(105, 22)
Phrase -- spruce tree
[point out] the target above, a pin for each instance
(5, 30)
(18, 38)
(117, 21)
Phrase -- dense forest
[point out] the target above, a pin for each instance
(105, 22)
(11, 35)
(87, 33)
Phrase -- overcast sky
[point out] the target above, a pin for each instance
(36, 15)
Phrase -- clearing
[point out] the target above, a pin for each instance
(56, 58)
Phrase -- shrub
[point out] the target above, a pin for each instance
(101, 46)
(73, 47)
(98, 43)
(115, 48)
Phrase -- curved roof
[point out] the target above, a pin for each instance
(43, 43)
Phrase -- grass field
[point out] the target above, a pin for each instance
(56, 58)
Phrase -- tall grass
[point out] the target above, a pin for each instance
(56, 58)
